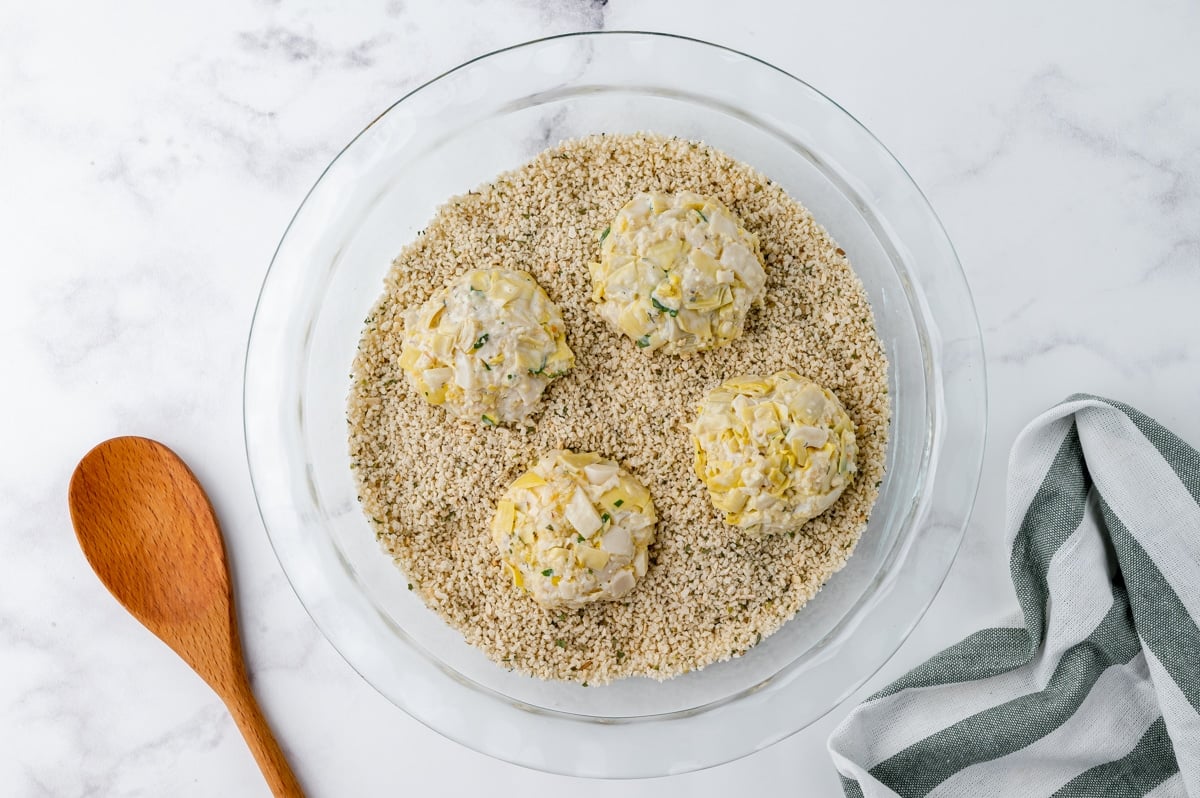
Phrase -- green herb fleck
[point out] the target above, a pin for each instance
(491, 422)
(605, 518)
(618, 502)
(644, 341)
(702, 216)
(485, 365)
(579, 538)
(548, 572)
(604, 235)
(660, 306)
(560, 643)
(410, 585)
(480, 341)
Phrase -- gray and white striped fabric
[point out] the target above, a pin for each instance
(1098, 693)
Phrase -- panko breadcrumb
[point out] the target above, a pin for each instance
(430, 484)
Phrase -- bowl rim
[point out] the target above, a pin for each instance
(975, 464)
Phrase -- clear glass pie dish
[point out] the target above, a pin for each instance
(462, 129)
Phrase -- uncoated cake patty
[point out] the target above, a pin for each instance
(430, 483)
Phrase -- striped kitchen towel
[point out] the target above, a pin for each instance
(1098, 693)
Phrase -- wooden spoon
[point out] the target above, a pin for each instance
(150, 534)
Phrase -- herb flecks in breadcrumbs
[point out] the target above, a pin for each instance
(430, 483)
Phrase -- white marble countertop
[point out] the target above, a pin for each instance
(152, 153)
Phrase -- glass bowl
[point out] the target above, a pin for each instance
(462, 129)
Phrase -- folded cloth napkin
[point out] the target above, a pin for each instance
(1098, 694)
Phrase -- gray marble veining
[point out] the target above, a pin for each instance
(151, 155)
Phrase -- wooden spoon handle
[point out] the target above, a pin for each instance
(249, 718)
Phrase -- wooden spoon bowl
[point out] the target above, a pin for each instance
(150, 534)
